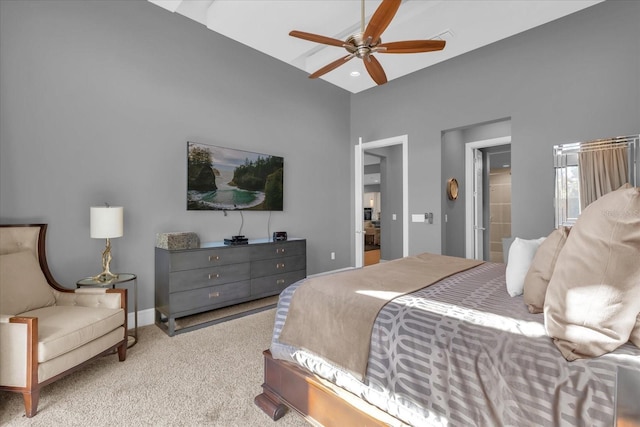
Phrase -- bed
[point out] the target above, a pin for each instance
(459, 351)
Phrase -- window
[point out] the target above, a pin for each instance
(573, 185)
(567, 197)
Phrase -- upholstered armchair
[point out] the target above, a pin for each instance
(48, 331)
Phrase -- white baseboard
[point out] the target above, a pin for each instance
(331, 272)
(145, 318)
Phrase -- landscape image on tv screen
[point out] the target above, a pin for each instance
(221, 178)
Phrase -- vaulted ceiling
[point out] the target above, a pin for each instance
(465, 25)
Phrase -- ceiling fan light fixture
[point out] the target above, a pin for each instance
(367, 42)
(355, 73)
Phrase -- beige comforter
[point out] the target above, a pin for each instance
(334, 318)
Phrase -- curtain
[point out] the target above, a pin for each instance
(602, 170)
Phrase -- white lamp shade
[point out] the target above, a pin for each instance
(107, 222)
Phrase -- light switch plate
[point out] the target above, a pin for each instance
(417, 218)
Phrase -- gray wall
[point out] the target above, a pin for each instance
(371, 169)
(453, 229)
(98, 100)
(570, 80)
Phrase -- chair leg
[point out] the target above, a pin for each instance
(122, 351)
(31, 402)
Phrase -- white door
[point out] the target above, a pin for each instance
(359, 172)
(478, 218)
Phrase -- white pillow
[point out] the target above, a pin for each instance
(521, 255)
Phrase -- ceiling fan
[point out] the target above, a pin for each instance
(367, 42)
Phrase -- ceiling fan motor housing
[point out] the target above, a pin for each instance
(355, 44)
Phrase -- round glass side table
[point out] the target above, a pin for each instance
(122, 278)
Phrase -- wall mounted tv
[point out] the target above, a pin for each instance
(221, 178)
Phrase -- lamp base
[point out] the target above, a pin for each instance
(106, 274)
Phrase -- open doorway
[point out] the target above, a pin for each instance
(393, 200)
(372, 202)
(488, 201)
(497, 207)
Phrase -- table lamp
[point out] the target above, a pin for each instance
(106, 223)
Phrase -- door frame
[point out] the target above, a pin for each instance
(469, 149)
(478, 204)
(360, 148)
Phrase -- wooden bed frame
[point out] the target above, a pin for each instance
(288, 386)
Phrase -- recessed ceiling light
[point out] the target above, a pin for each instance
(355, 74)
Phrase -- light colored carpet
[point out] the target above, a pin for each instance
(206, 377)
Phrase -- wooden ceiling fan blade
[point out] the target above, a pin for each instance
(316, 38)
(331, 66)
(411, 46)
(381, 19)
(375, 69)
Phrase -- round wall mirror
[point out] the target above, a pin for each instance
(452, 189)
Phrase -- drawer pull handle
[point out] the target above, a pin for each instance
(280, 282)
(214, 257)
(214, 294)
(280, 250)
(280, 265)
(213, 276)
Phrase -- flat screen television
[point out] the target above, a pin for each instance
(220, 178)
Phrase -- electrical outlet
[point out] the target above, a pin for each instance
(333, 255)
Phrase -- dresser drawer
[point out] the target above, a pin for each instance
(207, 258)
(203, 277)
(269, 267)
(210, 296)
(271, 285)
(279, 249)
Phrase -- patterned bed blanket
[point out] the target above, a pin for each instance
(463, 353)
(314, 316)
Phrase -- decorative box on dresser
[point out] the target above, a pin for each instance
(215, 275)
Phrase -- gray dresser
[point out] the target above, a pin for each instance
(191, 281)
